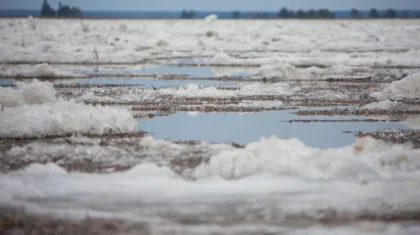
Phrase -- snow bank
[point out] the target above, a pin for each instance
(408, 87)
(33, 110)
(367, 159)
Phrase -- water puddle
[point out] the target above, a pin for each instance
(6, 83)
(249, 127)
(185, 70)
(197, 72)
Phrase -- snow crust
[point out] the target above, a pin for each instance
(33, 110)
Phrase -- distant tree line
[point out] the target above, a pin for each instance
(187, 14)
(388, 14)
(63, 11)
(285, 13)
(301, 14)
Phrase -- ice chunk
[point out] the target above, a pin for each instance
(366, 159)
(279, 70)
(37, 92)
(408, 87)
(386, 105)
(33, 110)
(10, 97)
(63, 117)
(222, 58)
(41, 47)
(211, 18)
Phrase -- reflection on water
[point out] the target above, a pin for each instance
(249, 127)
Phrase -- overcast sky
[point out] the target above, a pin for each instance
(252, 5)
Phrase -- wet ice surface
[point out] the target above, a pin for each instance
(248, 127)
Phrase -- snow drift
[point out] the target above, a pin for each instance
(33, 110)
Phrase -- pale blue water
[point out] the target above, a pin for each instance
(6, 82)
(249, 127)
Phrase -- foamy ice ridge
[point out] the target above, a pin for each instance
(390, 97)
(266, 186)
(33, 110)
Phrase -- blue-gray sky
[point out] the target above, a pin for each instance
(252, 5)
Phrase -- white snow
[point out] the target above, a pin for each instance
(33, 110)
